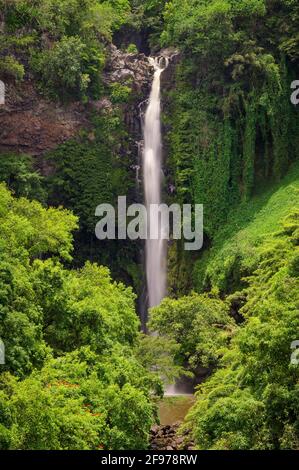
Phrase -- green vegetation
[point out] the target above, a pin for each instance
(10, 67)
(231, 137)
(78, 373)
(72, 378)
(251, 402)
(62, 42)
(199, 323)
(89, 171)
(132, 49)
(62, 45)
(233, 127)
(235, 247)
(18, 173)
(65, 66)
(120, 93)
(174, 409)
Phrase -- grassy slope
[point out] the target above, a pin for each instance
(233, 253)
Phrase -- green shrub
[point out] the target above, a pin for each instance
(63, 41)
(70, 405)
(132, 49)
(235, 253)
(10, 67)
(18, 173)
(198, 323)
(63, 68)
(120, 93)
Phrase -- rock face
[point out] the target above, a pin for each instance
(123, 67)
(170, 438)
(135, 71)
(33, 125)
(168, 76)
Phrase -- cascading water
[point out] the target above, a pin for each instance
(156, 250)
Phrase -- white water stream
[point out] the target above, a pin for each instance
(156, 250)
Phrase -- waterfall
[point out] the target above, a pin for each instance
(156, 250)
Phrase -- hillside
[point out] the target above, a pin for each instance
(179, 102)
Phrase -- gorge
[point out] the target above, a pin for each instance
(219, 128)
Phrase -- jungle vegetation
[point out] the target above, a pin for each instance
(78, 372)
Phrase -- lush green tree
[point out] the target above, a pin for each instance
(199, 323)
(63, 41)
(234, 252)
(156, 354)
(84, 307)
(147, 18)
(252, 401)
(28, 231)
(77, 373)
(70, 404)
(64, 68)
(18, 173)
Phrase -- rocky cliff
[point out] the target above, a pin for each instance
(33, 124)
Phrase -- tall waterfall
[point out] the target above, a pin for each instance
(156, 250)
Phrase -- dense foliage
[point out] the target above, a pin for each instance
(78, 374)
(199, 323)
(232, 124)
(62, 42)
(232, 136)
(252, 401)
(72, 377)
(63, 45)
(234, 253)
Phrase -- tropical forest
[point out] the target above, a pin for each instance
(119, 331)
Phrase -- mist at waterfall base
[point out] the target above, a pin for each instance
(156, 250)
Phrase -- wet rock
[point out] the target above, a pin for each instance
(155, 429)
(170, 438)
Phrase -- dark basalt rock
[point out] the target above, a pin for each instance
(123, 67)
(170, 437)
